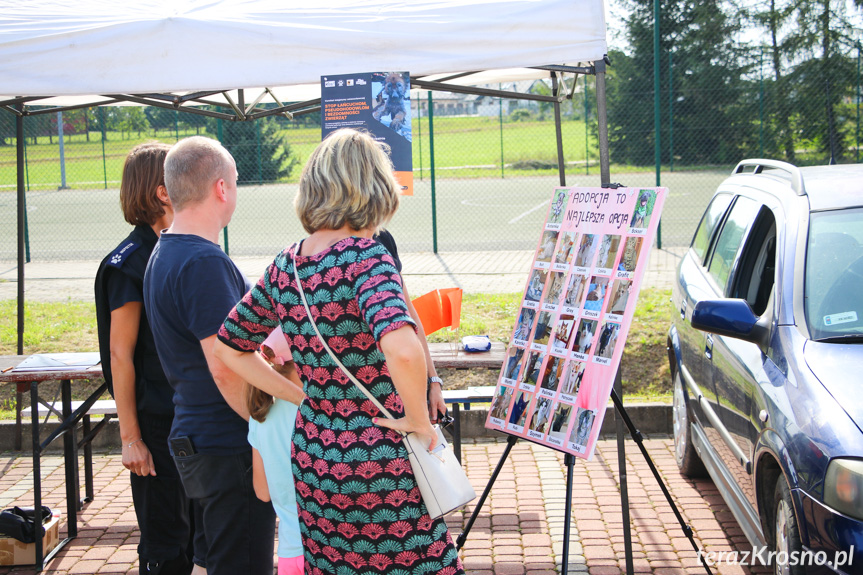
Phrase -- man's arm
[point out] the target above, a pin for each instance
(231, 386)
(253, 367)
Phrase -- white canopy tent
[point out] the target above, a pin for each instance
(81, 47)
(232, 56)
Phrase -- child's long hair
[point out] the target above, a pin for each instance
(258, 402)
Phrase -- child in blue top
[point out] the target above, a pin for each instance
(271, 427)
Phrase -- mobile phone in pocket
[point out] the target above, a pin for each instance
(182, 447)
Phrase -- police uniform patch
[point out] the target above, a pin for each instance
(122, 253)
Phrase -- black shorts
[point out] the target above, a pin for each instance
(237, 530)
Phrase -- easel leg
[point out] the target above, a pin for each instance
(637, 437)
(510, 442)
(569, 461)
(624, 485)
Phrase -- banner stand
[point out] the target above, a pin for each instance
(623, 420)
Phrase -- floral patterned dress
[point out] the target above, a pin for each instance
(360, 508)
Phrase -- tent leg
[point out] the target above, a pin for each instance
(19, 143)
(555, 90)
(602, 121)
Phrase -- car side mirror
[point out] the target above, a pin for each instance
(732, 317)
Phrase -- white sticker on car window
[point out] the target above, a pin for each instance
(843, 317)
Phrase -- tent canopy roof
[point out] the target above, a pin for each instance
(80, 51)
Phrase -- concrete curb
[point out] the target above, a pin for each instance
(649, 418)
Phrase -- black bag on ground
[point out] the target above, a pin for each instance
(20, 523)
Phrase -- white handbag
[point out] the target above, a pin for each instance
(443, 484)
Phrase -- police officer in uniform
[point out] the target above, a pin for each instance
(133, 372)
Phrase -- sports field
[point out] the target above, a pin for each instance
(484, 214)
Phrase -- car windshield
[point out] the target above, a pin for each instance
(834, 275)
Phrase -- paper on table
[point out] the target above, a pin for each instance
(51, 361)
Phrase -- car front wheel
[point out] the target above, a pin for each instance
(786, 536)
(684, 452)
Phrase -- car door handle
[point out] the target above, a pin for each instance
(708, 346)
(683, 310)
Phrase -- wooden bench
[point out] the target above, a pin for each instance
(104, 407)
(100, 407)
(459, 398)
(448, 356)
(444, 355)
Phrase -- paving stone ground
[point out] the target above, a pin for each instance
(518, 532)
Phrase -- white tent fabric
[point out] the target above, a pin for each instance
(86, 47)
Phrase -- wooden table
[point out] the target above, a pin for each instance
(67, 429)
(450, 356)
(444, 355)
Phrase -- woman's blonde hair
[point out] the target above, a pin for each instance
(347, 180)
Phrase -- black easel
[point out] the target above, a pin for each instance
(598, 69)
(569, 462)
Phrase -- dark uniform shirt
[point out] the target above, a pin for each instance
(120, 280)
(386, 239)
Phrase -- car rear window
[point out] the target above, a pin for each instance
(834, 273)
(711, 218)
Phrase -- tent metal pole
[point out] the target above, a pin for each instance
(561, 167)
(19, 144)
(602, 123)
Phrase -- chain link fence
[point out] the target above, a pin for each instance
(484, 168)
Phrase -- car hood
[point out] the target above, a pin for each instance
(838, 368)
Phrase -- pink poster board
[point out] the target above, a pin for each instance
(574, 317)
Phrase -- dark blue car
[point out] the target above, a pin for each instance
(766, 356)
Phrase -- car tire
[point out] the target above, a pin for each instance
(687, 458)
(786, 535)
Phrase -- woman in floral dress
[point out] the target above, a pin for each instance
(360, 507)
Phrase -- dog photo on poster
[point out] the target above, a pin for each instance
(379, 103)
(573, 320)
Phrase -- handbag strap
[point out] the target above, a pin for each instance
(361, 387)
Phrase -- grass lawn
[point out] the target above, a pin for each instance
(55, 327)
(475, 142)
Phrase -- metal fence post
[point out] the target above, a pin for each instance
(656, 124)
(761, 105)
(657, 150)
(670, 118)
(225, 229)
(104, 160)
(500, 122)
(258, 150)
(431, 162)
(586, 131)
(420, 130)
(177, 125)
(62, 151)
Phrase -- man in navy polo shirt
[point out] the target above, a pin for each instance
(189, 288)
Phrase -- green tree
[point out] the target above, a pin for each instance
(707, 85)
(261, 151)
(812, 52)
(780, 125)
(7, 128)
